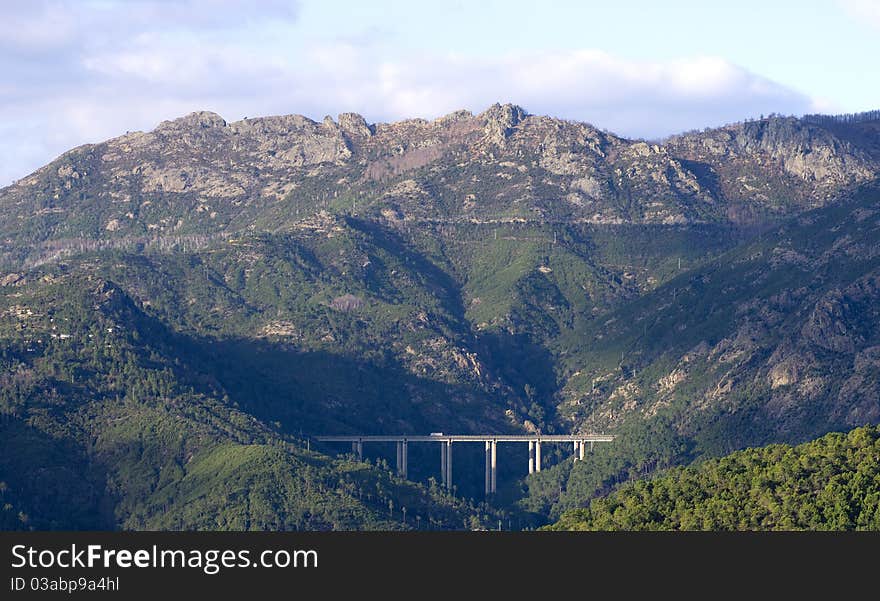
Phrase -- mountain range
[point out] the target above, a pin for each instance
(182, 310)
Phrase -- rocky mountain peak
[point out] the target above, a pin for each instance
(353, 123)
(509, 114)
(500, 121)
(195, 120)
(454, 116)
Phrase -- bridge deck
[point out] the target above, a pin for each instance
(471, 438)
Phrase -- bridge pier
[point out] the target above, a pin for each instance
(443, 471)
(491, 467)
(578, 450)
(488, 468)
(449, 465)
(405, 473)
(402, 458)
(490, 442)
(531, 456)
(494, 467)
(537, 455)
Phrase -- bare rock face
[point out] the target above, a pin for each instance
(779, 159)
(197, 120)
(785, 373)
(163, 180)
(346, 303)
(200, 173)
(314, 150)
(844, 319)
(805, 152)
(290, 141)
(832, 324)
(354, 124)
(500, 121)
(11, 279)
(858, 394)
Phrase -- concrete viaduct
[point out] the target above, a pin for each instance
(491, 441)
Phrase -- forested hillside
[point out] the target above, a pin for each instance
(832, 483)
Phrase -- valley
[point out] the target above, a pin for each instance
(182, 311)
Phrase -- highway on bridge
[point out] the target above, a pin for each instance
(491, 441)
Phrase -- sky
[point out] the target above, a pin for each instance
(81, 71)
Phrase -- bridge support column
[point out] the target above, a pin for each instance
(537, 455)
(488, 468)
(531, 456)
(443, 457)
(494, 467)
(360, 449)
(405, 459)
(449, 464)
(576, 453)
(402, 458)
(583, 447)
(591, 447)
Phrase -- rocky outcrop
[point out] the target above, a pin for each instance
(780, 162)
(199, 173)
(355, 125)
(191, 122)
(500, 121)
(347, 303)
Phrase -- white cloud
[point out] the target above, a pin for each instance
(146, 70)
(637, 98)
(864, 11)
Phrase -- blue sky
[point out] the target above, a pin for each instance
(78, 71)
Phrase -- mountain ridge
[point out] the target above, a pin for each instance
(498, 271)
(199, 174)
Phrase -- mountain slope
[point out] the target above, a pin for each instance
(832, 483)
(240, 287)
(109, 422)
(795, 301)
(775, 340)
